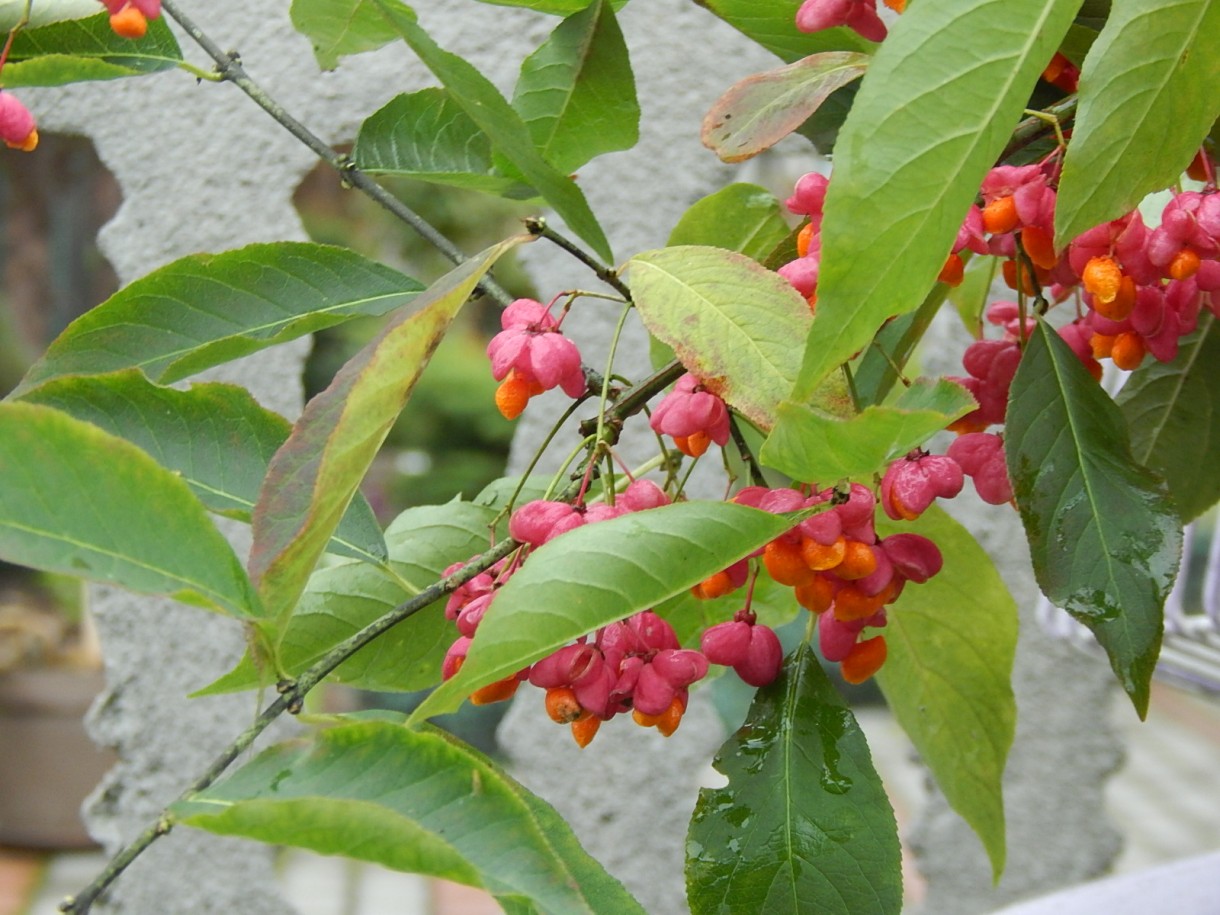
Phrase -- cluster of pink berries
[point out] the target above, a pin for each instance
(1141, 288)
(635, 665)
(531, 355)
(128, 18)
(838, 567)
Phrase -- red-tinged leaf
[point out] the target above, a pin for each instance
(762, 109)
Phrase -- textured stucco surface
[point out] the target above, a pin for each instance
(202, 169)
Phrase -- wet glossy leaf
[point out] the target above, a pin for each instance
(415, 801)
(429, 136)
(577, 93)
(933, 112)
(947, 675)
(772, 23)
(508, 133)
(86, 49)
(77, 500)
(207, 309)
(216, 436)
(741, 217)
(338, 28)
(1103, 535)
(1173, 412)
(761, 110)
(803, 824)
(812, 446)
(598, 574)
(315, 474)
(1149, 93)
(729, 320)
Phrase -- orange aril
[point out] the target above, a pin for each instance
(785, 563)
(864, 660)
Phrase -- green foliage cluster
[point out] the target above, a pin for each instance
(916, 122)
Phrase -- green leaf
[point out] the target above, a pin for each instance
(947, 675)
(876, 370)
(207, 309)
(428, 136)
(337, 28)
(809, 445)
(315, 474)
(87, 49)
(933, 112)
(77, 500)
(761, 110)
(803, 824)
(1149, 93)
(597, 574)
(1174, 417)
(339, 601)
(44, 12)
(557, 7)
(216, 436)
(1104, 538)
(576, 93)
(772, 24)
(730, 321)
(741, 217)
(414, 801)
(508, 133)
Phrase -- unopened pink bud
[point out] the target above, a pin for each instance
(726, 643)
(642, 495)
(17, 127)
(764, 657)
(914, 557)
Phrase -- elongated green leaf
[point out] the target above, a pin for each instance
(1103, 537)
(207, 309)
(44, 12)
(762, 109)
(803, 824)
(557, 7)
(341, 600)
(1173, 413)
(415, 801)
(77, 500)
(741, 217)
(772, 23)
(598, 574)
(508, 133)
(577, 93)
(947, 675)
(337, 28)
(86, 49)
(1149, 93)
(427, 135)
(809, 445)
(217, 436)
(934, 110)
(729, 320)
(313, 477)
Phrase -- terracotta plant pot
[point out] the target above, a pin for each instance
(48, 764)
